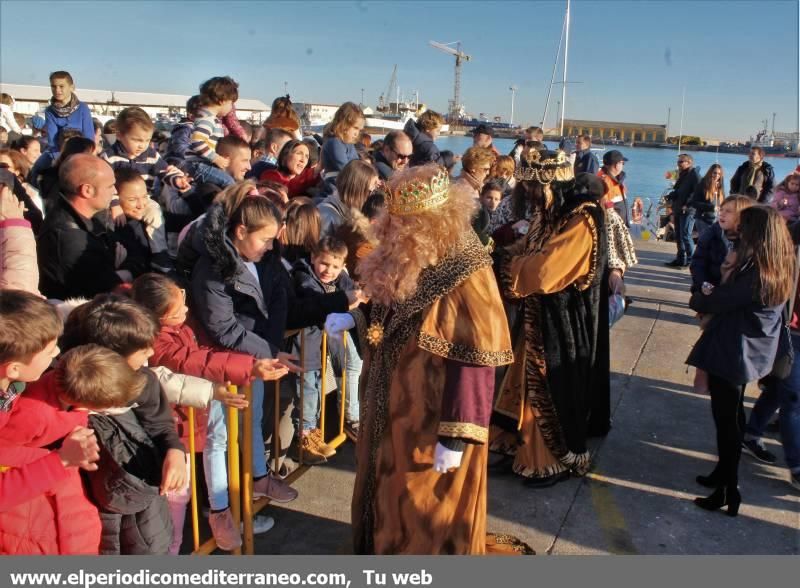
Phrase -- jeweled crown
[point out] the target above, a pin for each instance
(419, 194)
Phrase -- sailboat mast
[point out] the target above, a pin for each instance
(553, 75)
(564, 85)
(680, 134)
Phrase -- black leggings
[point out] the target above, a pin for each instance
(728, 410)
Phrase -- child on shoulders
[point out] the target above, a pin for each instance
(216, 99)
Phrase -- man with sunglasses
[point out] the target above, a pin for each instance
(682, 213)
(394, 156)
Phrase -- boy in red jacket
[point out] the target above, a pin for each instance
(40, 489)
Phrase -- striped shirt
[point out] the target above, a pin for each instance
(207, 130)
(149, 165)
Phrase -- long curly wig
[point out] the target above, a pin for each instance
(410, 243)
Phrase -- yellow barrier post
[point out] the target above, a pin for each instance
(323, 379)
(341, 437)
(302, 391)
(247, 474)
(193, 481)
(276, 430)
(234, 481)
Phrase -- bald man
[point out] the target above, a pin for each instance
(77, 256)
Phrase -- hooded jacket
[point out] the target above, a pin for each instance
(238, 310)
(706, 263)
(307, 284)
(125, 487)
(425, 150)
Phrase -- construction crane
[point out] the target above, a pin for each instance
(455, 105)
(385, 101)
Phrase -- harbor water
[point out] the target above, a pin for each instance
(646, 166)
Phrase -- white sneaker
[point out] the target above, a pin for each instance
(261, 524)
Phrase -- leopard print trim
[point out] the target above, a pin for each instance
(469, 431)
(468, 256)
(621, 251)
(464, 353)
(515, 544)
(536, 385)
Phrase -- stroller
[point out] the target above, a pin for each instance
(658, 222)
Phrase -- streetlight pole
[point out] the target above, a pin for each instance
(362, 97)
(513, 92)
(286, 88)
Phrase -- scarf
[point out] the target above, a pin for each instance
(67, 109)
(755, 177)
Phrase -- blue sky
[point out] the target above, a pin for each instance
(738, 59)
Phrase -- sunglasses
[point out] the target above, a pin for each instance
(400, 155)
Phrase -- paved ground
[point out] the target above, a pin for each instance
(638, 499)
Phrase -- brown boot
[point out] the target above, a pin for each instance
(322, 447)
(309, 450)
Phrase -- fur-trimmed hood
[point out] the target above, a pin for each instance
(212, 240)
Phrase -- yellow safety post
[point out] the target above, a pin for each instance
(323, 393)
(193, 481)
(234, 482)
(276, 429)
(247, 474)
(302, 390)
(341, 437)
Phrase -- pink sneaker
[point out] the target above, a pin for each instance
(274, 489)
(224, 531)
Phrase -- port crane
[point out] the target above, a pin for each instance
(455, 104)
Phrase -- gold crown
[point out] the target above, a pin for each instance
(555, 168)
(419, 195)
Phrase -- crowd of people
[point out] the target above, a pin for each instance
(468, 317)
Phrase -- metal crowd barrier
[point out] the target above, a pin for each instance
(240, 473)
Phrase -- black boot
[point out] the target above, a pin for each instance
(676, 263)
(723, 495)
(712, 480)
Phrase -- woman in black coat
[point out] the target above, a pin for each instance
(740, 342)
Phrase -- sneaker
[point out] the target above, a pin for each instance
(273, 488)
(224, 530)
(755, 447)
(261, 524)
(794, 480)
(322, 447)
(309, 450)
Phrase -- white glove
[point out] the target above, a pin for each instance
(444, 459)
(338, 322)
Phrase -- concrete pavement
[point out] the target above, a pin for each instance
(638, 497)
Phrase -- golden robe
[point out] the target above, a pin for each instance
(400, 504)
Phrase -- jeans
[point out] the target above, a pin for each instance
(728, 410)
(203, 172)
(312, 387)
(312, 384)
(351, 361)
(216, 469)
(684, 223)
(783, 394)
